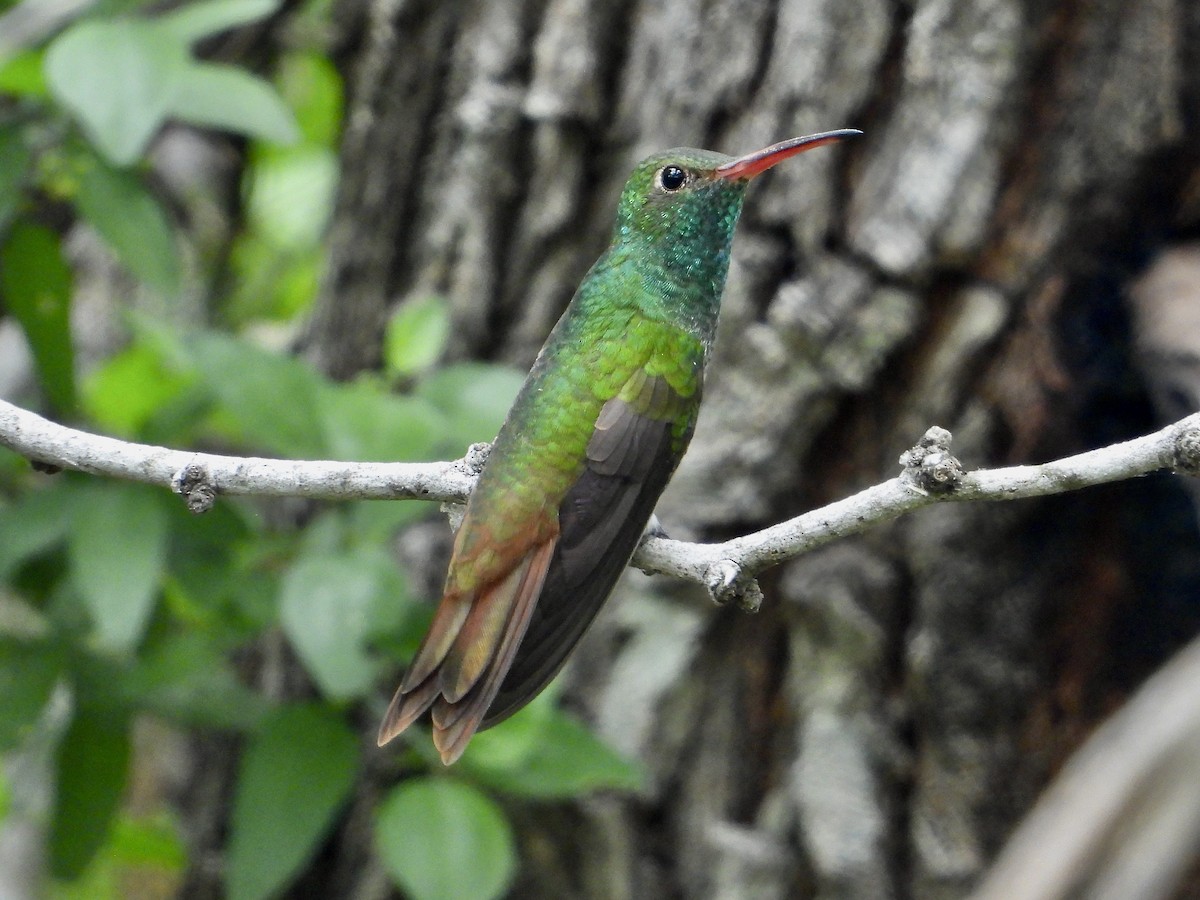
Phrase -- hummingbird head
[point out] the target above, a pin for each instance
(678, 210)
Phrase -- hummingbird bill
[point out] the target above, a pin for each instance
(590, 443)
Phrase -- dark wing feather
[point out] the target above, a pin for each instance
(630, 458)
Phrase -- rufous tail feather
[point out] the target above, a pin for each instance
(462, 670)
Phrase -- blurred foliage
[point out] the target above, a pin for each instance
(115, 603)
(462, 849)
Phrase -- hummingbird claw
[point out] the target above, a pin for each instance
(654, 529)
(454, 513)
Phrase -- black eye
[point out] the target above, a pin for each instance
(672, 178)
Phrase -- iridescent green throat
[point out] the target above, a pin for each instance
(679, 242)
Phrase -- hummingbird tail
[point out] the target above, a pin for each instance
(406, 708)
(462, 680)
(455, 721)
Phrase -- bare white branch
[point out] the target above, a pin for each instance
(50, 444)
(931, 474)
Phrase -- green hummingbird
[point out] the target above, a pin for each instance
(594, 435)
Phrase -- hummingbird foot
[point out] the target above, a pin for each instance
(471, 464)
(454, 512)
(727, 583)
(654, 529)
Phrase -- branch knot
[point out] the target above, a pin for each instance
(194, 483)
(1187, 450)
(728, 583)
(473, 460)
(930, 467)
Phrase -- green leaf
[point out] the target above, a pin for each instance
(167, 341)
(98, 679)
(92, 765)
(325, 534)
(270, 283)
(5, 795)
(210, 568)
(28, 673)
(14, 166)
(475, 398)
(34, 524)
(125, 392)
(132, 221)
(22, 74)
(291, 196)
(219, 96)
(143, 857)
(377, 521)
(515, 740)
(187, 679)
(312, 88)
(363, 423)
(416, 336)
(149, 843)
(119, 7)
(36, 285)
(272, 398)
(329, 607)
(117, 549)
(196, 21)
(566, 760)
(119, 78)
(295, 775)
(122, 78)
(441, 839)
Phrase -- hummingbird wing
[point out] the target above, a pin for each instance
(639, 437)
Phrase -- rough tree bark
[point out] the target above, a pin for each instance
(881, 725)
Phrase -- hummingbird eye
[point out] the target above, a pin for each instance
(672, 178)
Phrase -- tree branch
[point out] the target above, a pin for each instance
(728, 569)
(930, 475)
(188, 473)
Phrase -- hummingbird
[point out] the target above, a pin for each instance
(590, 442)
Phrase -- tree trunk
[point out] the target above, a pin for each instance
(882, 724)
